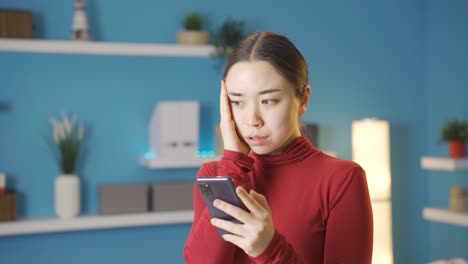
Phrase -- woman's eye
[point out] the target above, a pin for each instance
(269, 101)
(236, 103)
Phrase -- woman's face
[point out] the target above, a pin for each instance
(264, 106)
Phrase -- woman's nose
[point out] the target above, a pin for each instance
(254, 118)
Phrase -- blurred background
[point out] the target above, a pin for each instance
(404, 61)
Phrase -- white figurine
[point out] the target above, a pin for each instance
(80, 22)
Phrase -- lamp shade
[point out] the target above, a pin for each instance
(371, 150)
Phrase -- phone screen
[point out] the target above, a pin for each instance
(212, 188)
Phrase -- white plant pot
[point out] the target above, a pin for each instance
(193, 37)
(67, 196)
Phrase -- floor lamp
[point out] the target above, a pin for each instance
(371, 150)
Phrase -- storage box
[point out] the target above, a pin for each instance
(16, 24)
(172, 196)
(8, 206)
(123, 199)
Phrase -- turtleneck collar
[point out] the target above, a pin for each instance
(299, 149)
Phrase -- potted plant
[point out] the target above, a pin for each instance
(455, 132)
(228, 37)
(68, 139)
(193, 34)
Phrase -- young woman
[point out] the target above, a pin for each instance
(303, 205)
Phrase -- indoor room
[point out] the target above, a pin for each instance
(110, 109)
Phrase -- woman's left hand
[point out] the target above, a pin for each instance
(257, 229)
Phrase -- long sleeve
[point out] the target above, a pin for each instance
(349, 225)
(204, 245)
(239, 167)
(279, 251)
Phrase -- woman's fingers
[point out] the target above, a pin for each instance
(235, 239)
(260, 199)
(227, 128)
(256, 231)
(231, 227)
(225, 109)
(238, 241)
(251, 204)
(229, 131)
(232, 210)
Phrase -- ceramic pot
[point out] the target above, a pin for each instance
(193, 37)
(457, 149)
(67, 196)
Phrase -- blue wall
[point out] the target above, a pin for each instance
(447, 83)
(367, 59)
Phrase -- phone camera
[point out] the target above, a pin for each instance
(206, 189)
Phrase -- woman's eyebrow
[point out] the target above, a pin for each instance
(269, 91)
(262, 92)
(234, 94)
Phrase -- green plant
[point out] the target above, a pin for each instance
(67, 138)
(228, 37)
(455, 130)
(193, 21)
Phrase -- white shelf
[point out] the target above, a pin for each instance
(449, 261)
(173, 163)
(444, 164)
(104, 48)
(445, 216)
(53, 225)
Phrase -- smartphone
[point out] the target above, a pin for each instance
(212, 188)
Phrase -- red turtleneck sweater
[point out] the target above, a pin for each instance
(320, 208)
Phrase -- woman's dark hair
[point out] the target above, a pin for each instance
(277, 50)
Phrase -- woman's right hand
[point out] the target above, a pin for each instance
(231, 139)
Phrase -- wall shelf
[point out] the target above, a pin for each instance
(104, 48)
(176, 163)
(444, 164)
(54, 225)
(445, 216)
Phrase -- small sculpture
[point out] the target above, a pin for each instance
(80, 22)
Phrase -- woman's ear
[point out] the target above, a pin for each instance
(305, 100)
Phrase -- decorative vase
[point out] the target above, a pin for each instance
(457, 149)
(193, 37)
(67, 196)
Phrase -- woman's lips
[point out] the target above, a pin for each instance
(256, 140)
